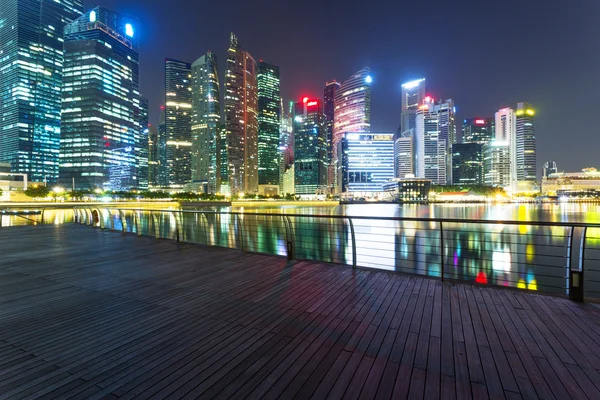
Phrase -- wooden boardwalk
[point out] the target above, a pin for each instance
(91, 314)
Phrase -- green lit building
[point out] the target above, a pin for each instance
(310, 147)
(206, 115)
(269, 115)
(31, 72)
(100, 124)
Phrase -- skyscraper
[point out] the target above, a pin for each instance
(467, 163)
(269, 120)
(367, 161)
(505, 131)
(496, 163)
(549, 168)
(525, 145)
(31, 67)
(206, 116)
(413, 95)
(435, 128)
(153, 162)
(100, 133)
(241, 118)
(352, 111)
(310, 149)
(403, 155)
(479, 130)
(178, 123)
(161, 155)
(142, 149)
(329, 110)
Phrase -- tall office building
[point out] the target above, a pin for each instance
(206, 116)
(269, 120)
(403, 155)
(100, 124)
(413, 95)
(525, 145)
(31, 72)
(286, 145)
(549, 168)
(329, 110)
(241, 119)
(142, 149)
(310, 148)
(505, 131)
(367, 161)
(467, 163)
(178, 122)
(153, 163)
(435, 128)
(478, 130)
(161, 155)
(496, 164)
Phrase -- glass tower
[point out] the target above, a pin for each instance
(467, 164)
(241, 119)
(413, 95)
(100, 132)
(206, 115)
(31, 72)
(178, 122)
(479, 130)
(329, 110)
(310, 149)
(142, 150)
(269, 118)
(525, 143)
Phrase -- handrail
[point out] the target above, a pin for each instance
(410, 219)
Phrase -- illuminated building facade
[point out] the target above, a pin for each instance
(329, 110)
(142, 149)
(178, 123)
(31, 72)
(367, 161)
(241, 119)
(403, 155)
(352, 105)
(161, 155)
(100, 132)
(525, 145)
(505, 131)
(269, 120)
(435, 128)
(478, 130)
(496, 164)
(153, 162)
(206, 116)
(549, 168)
(310, 148)
(413, 95)
(467, 163)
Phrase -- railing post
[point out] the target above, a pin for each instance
(205, 223)
(100, 219)
(135, 223)
(442, 250)
(156, 228)
(288, 238)
(112, 220)
(42, 221)
(123, 225)
(576, 278)
(241, 228)
(292, 239)
(353, 237)
(176, 226)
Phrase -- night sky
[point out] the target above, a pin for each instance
(484, 54)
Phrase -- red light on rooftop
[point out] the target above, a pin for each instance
(480, 121)
(305, 100)
(427, 99)
(312, 103)
(162, 107)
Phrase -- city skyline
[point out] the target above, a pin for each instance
(478, 88)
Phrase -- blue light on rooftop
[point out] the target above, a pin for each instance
(129, 30)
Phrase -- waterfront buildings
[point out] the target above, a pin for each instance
(413, 96)
(269, 120)
(241, 119)
(153, 161)
(578, 182)
(478, 130)
(497, 163)
(467, 163)
(100, 130)
(178, 123)
(435, 128)
(408, 190)
(329, 110)
(403, 154)
(161, 155)
(31, 69)
(367, 162)
(310, 148)
(549, 168)
(205, 122)
(525, 145)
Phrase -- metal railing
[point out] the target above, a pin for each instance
(22, 215)
(550, 257)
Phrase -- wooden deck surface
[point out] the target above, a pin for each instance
(91, 314)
